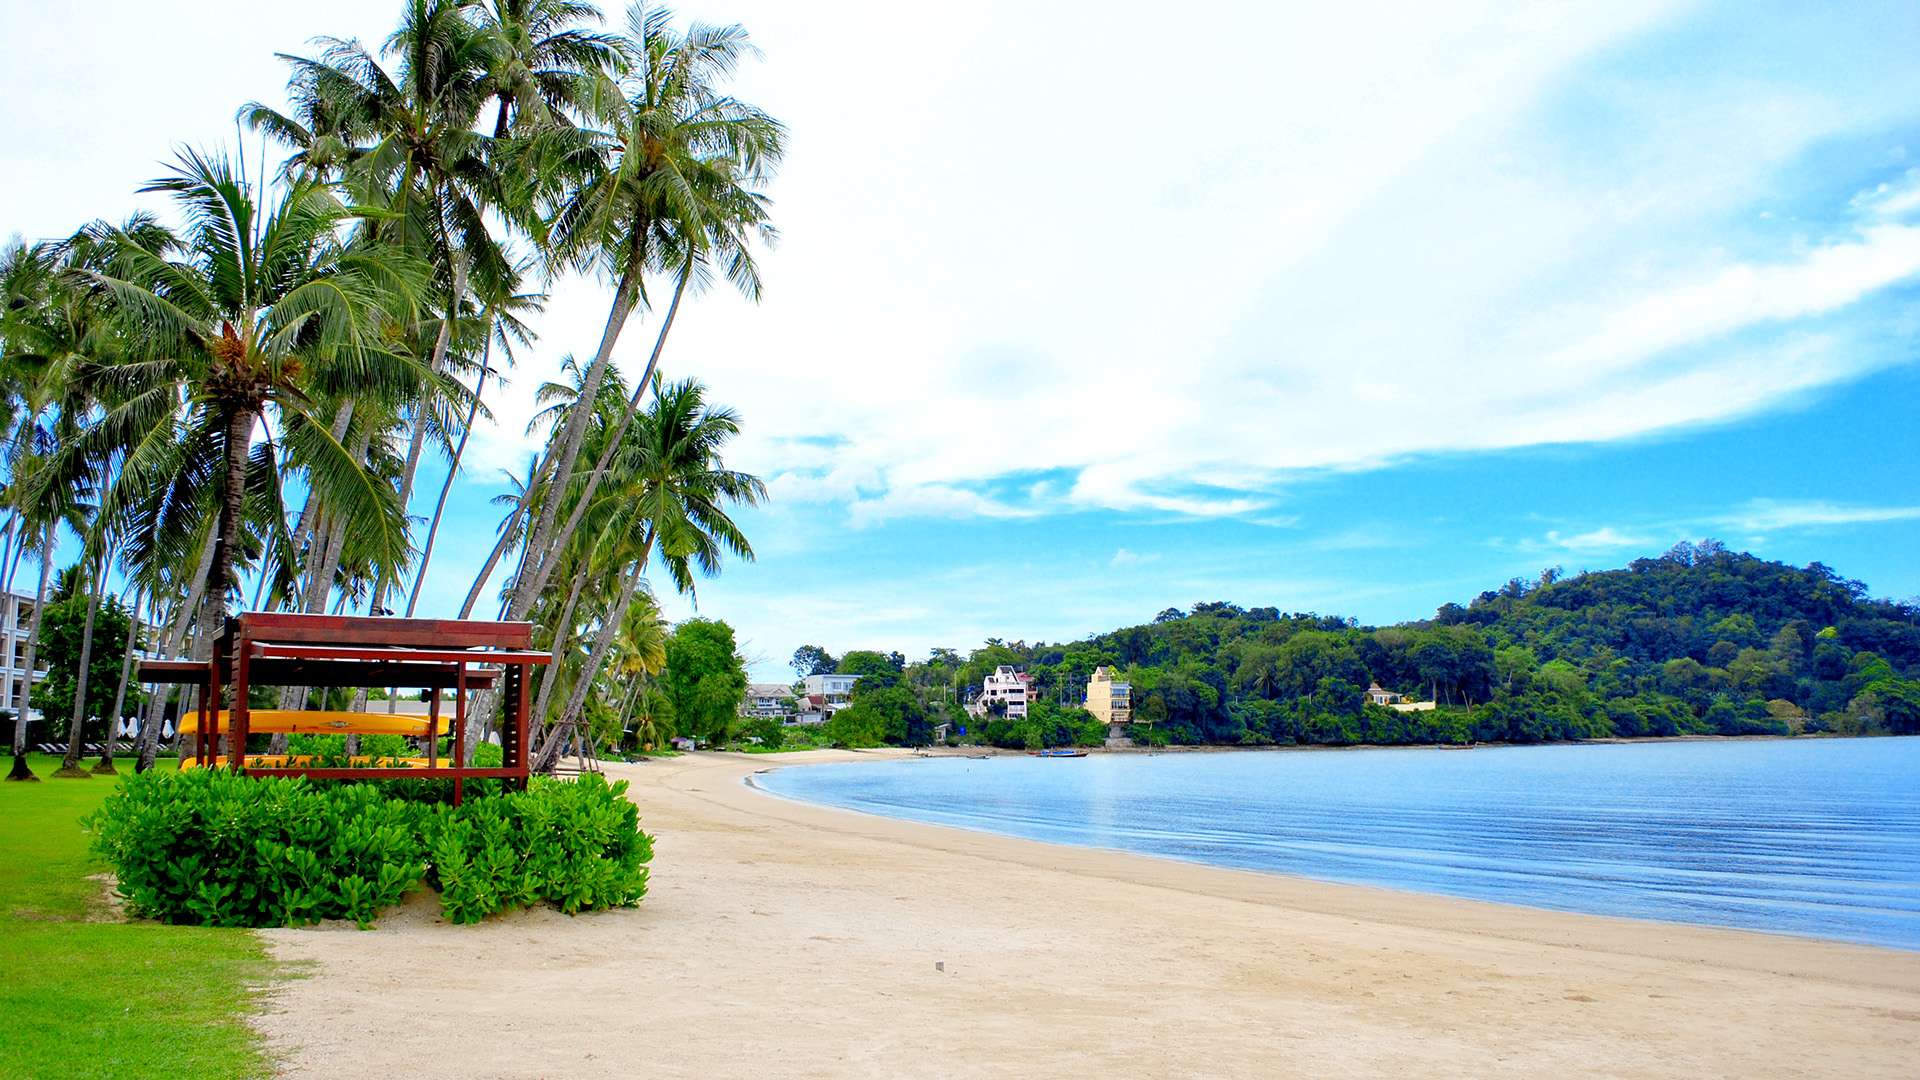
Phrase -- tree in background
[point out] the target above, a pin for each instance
(705, 678)
(60, 645)
(812, 660)
(877, 671)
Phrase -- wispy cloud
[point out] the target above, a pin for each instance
(1125, 557)
(1773, 515)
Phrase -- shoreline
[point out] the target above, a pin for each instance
(784, 938)
(750, 782)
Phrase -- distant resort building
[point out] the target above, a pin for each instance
(1380, 696)
(16, 613)
(769, 701)
(1111, 703)
(1013, 689)
(1376, 695)
(820, 697)
(834, 691)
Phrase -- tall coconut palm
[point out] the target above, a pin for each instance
(407, 142)
(540, 59)
(672, 147)
(236, 323)
(673, 491)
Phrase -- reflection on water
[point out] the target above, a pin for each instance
(1818, 837)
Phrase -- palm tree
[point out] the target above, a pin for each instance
(20, 771)
(242, 320)
(407, 144)
(539, 61)
(673, 491)
(676, 157)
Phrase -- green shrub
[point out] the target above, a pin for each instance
(210, 847)
(213, 848)
(577, 846)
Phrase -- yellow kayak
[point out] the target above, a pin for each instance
(301, 761)
(317, 722)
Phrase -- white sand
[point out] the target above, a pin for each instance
(786, 940)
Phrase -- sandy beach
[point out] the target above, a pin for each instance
(786, 940)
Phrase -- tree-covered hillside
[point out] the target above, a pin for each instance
(1698, 641)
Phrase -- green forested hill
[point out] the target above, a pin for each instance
(1698, 641)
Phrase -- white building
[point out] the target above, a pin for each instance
(16, 612)
(1014, 689)
(768, 701)
(835, 691)
(820, 697)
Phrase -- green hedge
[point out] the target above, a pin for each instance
(209, 847)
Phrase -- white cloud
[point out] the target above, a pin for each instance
(930, 500)
(1605, 538)
(1124, 557)
(1350, 234)
(1769, 515)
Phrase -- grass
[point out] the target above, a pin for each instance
(87, 995)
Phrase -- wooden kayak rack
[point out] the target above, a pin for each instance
(281, 649)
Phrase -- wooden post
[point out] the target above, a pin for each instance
(212, 714)
(459, 727)
(238, 721)
(521, 706)
(433, 728)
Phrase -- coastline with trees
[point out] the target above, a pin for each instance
(1699, 641)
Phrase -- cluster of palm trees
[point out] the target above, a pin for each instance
(243, 400)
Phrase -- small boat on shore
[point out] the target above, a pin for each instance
(1058, 751)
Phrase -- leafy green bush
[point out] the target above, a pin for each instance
(213, 848)
(577, 846)
(210, 847)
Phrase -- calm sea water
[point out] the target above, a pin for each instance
(1817, 837)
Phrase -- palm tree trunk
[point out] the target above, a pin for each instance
(583, 684)
(562, 630)
(8, 562)
(105, 764)
(309, 513)
(70, 766)
(603, 644)
(20, 770)
(453, 470)
(382, 582)
(172, 646)
(542, 548)
(620, 431)
(481, 712)
(233, 489)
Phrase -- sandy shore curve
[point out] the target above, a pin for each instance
(783, 939)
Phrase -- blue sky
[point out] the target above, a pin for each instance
(1083, 313)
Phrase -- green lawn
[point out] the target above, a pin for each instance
(87, 995)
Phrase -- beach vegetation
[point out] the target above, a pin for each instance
(704, 679)
(208, 847)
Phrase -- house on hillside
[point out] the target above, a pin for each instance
(1377, 695)
(834, 690)
(1397, 702)
(1111, 703)
(1013, 689)
(768, 701)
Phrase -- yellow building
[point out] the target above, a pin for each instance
(1110, 702)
